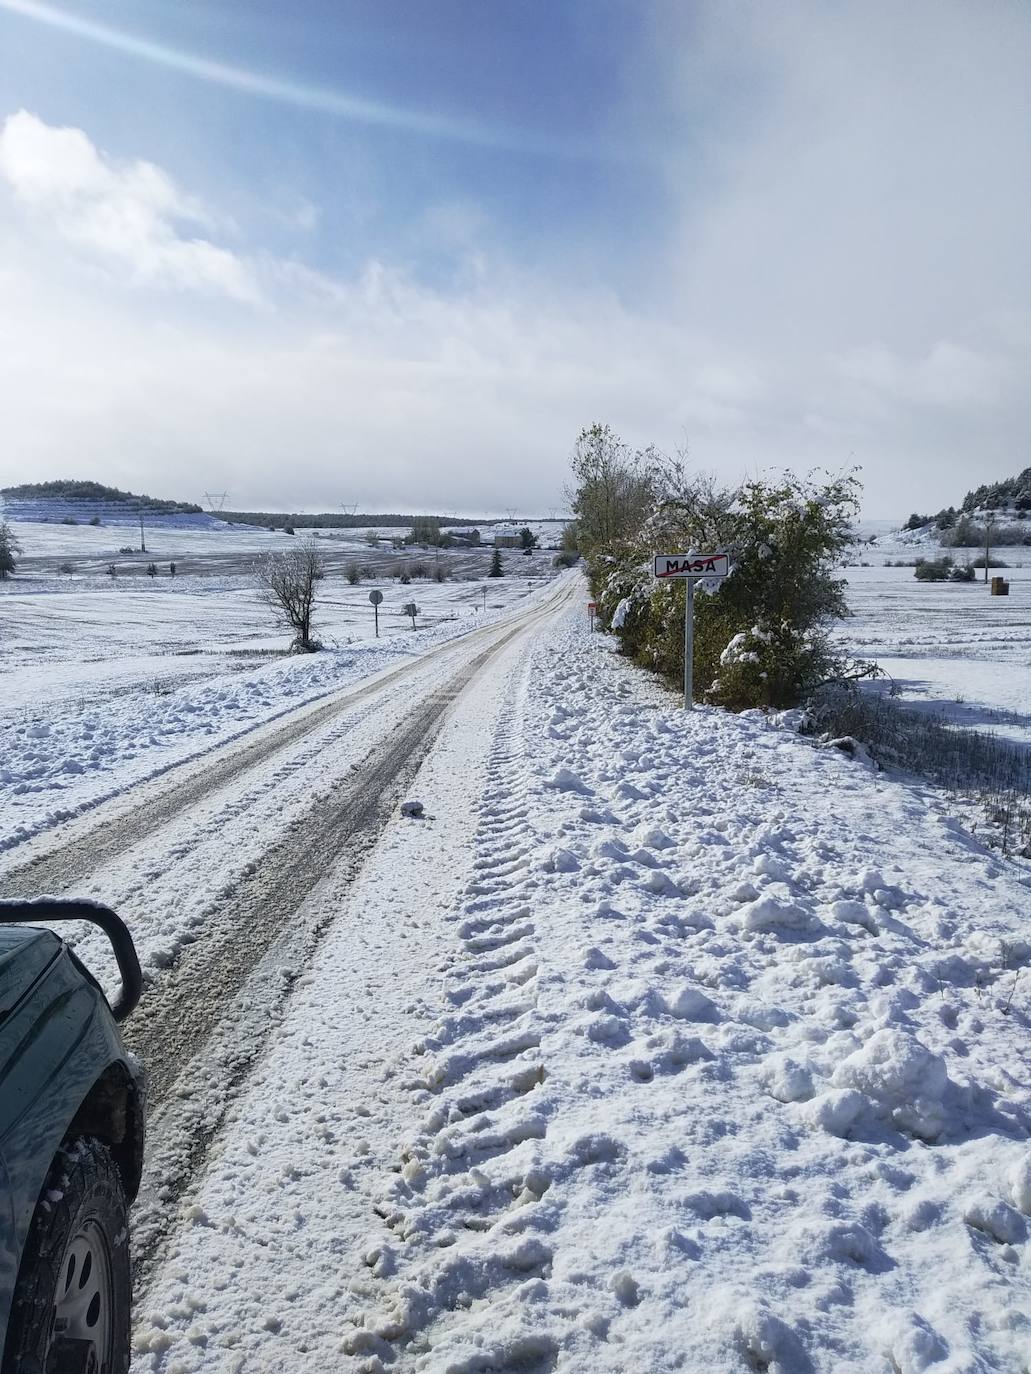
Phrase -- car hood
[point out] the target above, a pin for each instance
(25, 953)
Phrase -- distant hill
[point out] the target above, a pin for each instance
(340, 520)
(1012, 494)
(95, 493)
(91, 503)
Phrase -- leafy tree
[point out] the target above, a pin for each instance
(527, 539)
(496, 568)
(612, 491)
(762, 638)
(9, 547)
(1013, 491)
(287, 584)
(425, 531)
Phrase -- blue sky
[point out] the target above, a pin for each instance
(404, 251)
(546, 156)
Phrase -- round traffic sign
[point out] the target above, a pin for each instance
(375, 598)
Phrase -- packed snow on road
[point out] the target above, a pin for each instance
(502, 1016)
(142, 674)
(659, 1042)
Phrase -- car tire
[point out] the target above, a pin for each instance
(70, 1310)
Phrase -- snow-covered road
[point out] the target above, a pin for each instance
(665, 1043)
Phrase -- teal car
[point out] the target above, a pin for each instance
(71, 1146)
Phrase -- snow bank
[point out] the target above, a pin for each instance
(724, 1067)
(719, 1084)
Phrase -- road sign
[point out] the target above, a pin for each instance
(410, 608)
(680, 565)
(376, 597)
(707, 569)
(592, 611)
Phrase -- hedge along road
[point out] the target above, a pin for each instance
(211, 1002)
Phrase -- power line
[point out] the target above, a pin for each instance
(216, 501)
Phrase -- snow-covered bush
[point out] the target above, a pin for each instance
(9, 546)
(761, 638)
(933, 569)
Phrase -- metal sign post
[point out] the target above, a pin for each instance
(376, 597)
(707, 568)
(592, 610)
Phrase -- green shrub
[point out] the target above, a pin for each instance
(933, 569)
(762, 638)
(9, 546)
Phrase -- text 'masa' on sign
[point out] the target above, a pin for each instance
(669, 565)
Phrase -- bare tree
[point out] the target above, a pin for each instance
(287, 584)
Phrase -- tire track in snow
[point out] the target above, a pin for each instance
(206, 997)
(464, 1172)
(156, 803)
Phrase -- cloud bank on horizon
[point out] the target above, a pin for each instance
(816, 257)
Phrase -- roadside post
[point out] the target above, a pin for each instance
(709, 569)
(376, 598)
(410, 608)
(592, 610)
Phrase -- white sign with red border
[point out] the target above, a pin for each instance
(678, 565)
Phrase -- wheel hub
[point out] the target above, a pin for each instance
(83, 1306)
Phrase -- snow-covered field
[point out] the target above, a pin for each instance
(948, 647)
(668, 1043)
(664, 1042)
(104, 682)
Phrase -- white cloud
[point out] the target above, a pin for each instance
(948, 376)
(131, 218)
(854, 221)
(848, 280)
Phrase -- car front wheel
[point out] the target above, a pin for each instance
(70, 1312)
